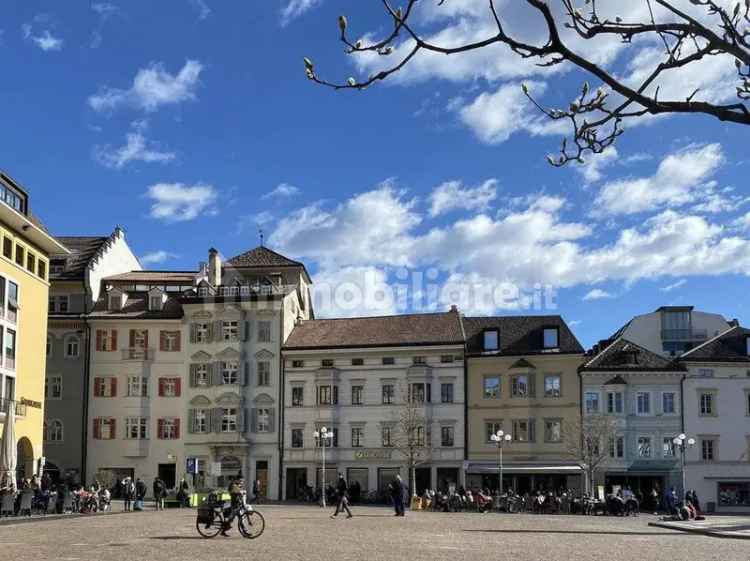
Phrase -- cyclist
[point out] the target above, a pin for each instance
(236, 492)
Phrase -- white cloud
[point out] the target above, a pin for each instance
(105, 9)
(743, 222)
(203, 9)
(281, 191)
(593, 167)
(177, 202)
(296, 8)
(152, 88)
(156, 257)
(679, 179)
(253, 221)
(44, 40)
(136, 149)
(674, 285)
(353, 291)
(451, 195)
(597, 294)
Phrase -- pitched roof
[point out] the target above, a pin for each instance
(262, 257)
(82, 250)
(519, 335)
(624, 356)
(730, 346)
(154, 276)
(382, 331)
(136, 307)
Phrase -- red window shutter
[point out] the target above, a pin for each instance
(177, 428)
(97, 429)
(113, 387)
(98, 387)
(132, 338)
(145, 340)
(113, 430)
(114, 339)
(160, 429)
(177, 341)
(99, 334)
(162, 340)
(177, 387)
(161, 387)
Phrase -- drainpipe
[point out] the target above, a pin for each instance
(280, 427)
(86, 373)
(580, 416)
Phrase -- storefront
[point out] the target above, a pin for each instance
(525, 477)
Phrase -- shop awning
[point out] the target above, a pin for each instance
(487, 468)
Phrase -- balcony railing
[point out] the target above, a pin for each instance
(10, 362)
(137, 353)
(237, 291)
(684, 334)
(20, 407)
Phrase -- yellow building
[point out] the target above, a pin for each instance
(25, 247)
(522, 380)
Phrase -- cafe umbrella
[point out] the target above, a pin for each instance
(8, 458)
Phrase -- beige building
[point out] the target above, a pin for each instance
(521, 379)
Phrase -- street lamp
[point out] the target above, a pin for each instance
(322, 438)
(682, 442)
(500, 439)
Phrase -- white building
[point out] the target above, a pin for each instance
(353, 376)
(716, 395)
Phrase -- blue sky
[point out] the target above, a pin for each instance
(192, 123)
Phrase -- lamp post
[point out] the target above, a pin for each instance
(500, 439)
(682, 442)
(322, 438)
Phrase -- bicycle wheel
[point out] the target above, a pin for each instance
(251, 524)
(209, 531)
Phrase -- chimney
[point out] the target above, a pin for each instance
(454, 308)
(214, 267)
(734, 323)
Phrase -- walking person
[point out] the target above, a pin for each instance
(183, 497)
(342, 502)
(159, 493)
(398, 493)
(256, 491)
(128, 493)
(140, 494)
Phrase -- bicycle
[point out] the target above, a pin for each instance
(211, 519)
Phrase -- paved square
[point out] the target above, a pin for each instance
(307, 533)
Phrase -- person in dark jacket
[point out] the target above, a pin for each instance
(342, 502)
(140, 493)
(183, 495)
(692, 497)
(399, 493)
(160, 491)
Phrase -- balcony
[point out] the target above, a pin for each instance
(137, 353)
(687, 335)
(20, 407)
(242, 291)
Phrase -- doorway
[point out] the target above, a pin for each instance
(423, 479)
(261, 474)
(25, 455)
(167, 473)
(296, 483)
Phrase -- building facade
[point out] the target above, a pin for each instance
(640, 391)
(24, 290)
(716, 396)
(522, 379)
(75, 281)
(373, 381)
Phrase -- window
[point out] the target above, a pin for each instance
(230, 330)
(263, 420)
(707, 404)
(446, 359)
(447, 435)
(170, 341)
(358, 437)
(229, 372)
(298, 363)
(668, 447)
(705, 372)
(418, 438)
(30, 262)
(53, 387)
(734, 494)
(169, 429)
(644, 446)
(491, 387)
(643, 403)
(446, 393)
(58, 303)
(298, 396)
(386, 437)
(264, 373)
(136, 428)
(115, 302)
(72, 346)
(105, 387)
(617, 447)
(264, 331)
(491, 340)
(552, 430)
(747, 406)
(357, 394)
(747, 346)
(591, 399)
(202, 332)
(328, 395)
(418, 360)
(388, 393)
(49, 346)
(12, 301)
(298, 438)
(420, 393)
(523, 430)
(202, 377)
(42, 270)
(358, 362)
(137, 386)
(106, 340)
(20, 254)
(228, 419)
(520, 386)
(708, 449)
(8, 247)
(552, 386)
(326, 363)
(155, 302)
(10, 349)
(388, 360)
(491, 428)
(551, 337)
(200, 421)
(668, 403)
(169, 387)
(104, 428)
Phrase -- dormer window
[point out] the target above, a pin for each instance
(155, 303)
(491, 340)
(115, 302)
(747, 346)
(551, 339)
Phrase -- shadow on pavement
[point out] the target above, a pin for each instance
(164, 538)
(581, 532)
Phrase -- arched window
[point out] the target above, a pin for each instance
(55, 429)
(72, 346)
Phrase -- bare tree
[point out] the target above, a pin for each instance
(595, 115)
(411, 438)
(587, 441)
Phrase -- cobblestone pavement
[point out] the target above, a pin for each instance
(306, 532)
(736, 527)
